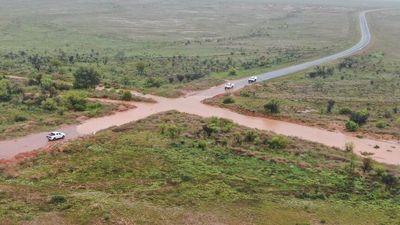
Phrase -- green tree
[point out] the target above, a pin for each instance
(86, 77)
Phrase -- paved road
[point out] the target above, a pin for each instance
(388, 153)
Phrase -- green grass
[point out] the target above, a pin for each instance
(170, 168)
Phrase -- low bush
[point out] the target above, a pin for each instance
(272, 106)
(228, 100)
(75, 101)
(381, 124)
(250, 136)
(126, 96)
(232, 72)
(57, 199)
(398, 121)
(345, 111)
(152, 83)
(349, 147)
(352, 126)
(20, 118)
(278, 142)
(49, 104)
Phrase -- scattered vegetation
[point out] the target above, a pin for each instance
(344, 98)
(172, 167)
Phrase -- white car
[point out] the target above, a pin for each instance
(252, 79)
(229, 86)
(55, 136)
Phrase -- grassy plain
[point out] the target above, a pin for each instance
(175, 168)
(199, 41)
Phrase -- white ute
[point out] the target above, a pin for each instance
(55, 136)
(252, 79)
(229, 86)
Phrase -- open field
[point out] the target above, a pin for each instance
(181, 49)
(172, 27)
(176, 168)
(370, 81)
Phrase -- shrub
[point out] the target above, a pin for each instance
(381, 124)
(57, 199)
(170, 130)
(387, 114)
(389, 180)
(352, 126)
(140, 67)
(398, 121)
(329, 107)
(344, 111)
(360, 117)
(126, 96)
(20, 118)
(228, 100)
(278, 142)
(366, 165)
(49, 104)
(349, 147)
(75, 101)
(5, 90)
(216, 125)
(86, 77)
(61, 85)
(152, 82)
(272, 106)
(250, 136)
(202, 145)
(232, 72)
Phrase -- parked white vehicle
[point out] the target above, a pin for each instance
(252, 79)
(55, 136)
(229, 86)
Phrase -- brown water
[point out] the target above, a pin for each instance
(388, 152)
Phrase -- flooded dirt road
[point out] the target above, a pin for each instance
(388, 152)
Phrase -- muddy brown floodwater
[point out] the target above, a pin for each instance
(388, 151)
